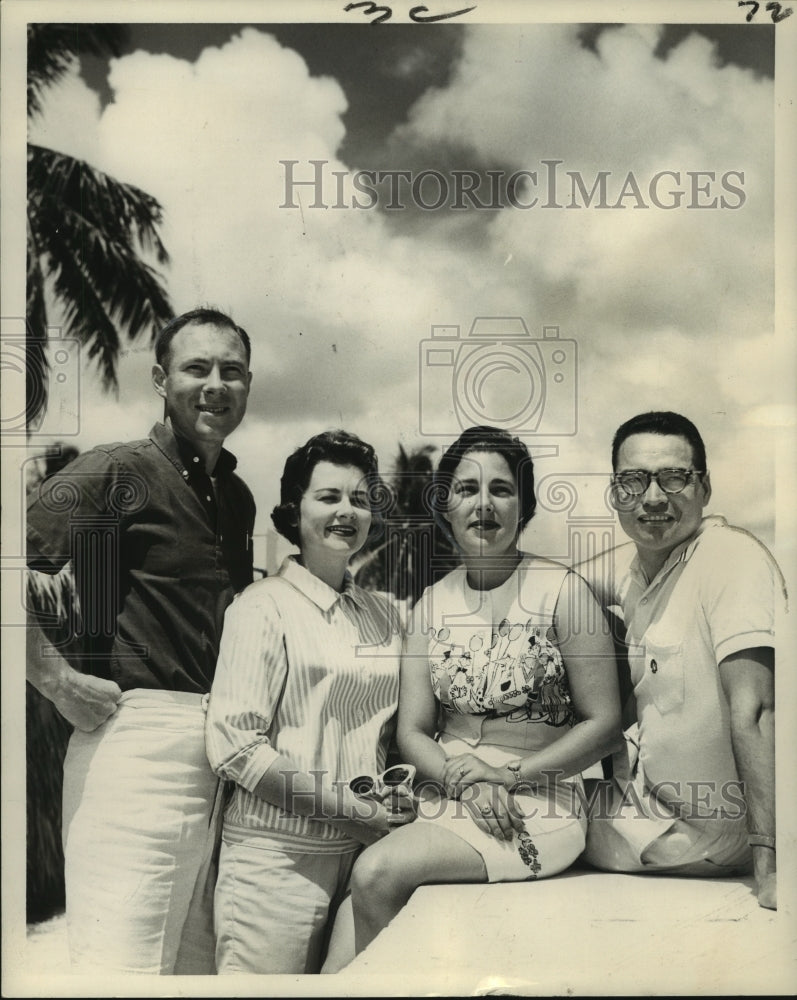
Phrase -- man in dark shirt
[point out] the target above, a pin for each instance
(159, 535)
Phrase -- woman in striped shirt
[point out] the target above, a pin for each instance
(303, 700)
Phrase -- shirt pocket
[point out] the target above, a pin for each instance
(663, 676)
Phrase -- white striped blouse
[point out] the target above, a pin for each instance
(307, 673)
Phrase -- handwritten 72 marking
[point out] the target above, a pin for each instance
(778, 14)
(419, 14)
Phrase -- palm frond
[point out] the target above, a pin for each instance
(49, 594)
(59, 183)
(414, 552)
(87, 232)
(84, 315)
(47, 738)
(36, 367)
(136, 305)
(53, 48)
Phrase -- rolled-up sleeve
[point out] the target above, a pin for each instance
(250, 675)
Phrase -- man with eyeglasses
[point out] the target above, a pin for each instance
(693, 791)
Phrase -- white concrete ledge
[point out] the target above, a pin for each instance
(583, 933)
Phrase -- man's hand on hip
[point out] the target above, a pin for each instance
(84, 700)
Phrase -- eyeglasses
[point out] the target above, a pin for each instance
(635, 482)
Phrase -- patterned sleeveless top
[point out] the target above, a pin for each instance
(493, 654)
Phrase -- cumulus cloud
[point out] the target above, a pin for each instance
(669, 308)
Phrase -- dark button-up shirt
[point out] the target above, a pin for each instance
(157, 553)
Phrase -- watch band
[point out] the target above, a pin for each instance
(761, 840)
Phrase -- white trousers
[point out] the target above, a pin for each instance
(140, 824)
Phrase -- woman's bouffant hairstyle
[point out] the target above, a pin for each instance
(340, 448)
(492, 440)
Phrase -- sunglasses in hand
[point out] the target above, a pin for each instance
(367, 787)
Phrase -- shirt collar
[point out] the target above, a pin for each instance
(320, 593)
(183, 455)
(682, 552)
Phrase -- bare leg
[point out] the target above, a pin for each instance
(388, 872)
(341, 941)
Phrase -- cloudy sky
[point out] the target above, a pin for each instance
(657, 307)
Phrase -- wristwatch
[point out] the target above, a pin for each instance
(514, 768)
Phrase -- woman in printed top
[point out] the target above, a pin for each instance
(303, 700)
(507, 695)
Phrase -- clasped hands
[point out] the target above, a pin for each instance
(482, 790)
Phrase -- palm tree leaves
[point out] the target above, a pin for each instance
(50, 600)
(86, 234)
(120, 213)
(53, 48)
(413, 552)
(92, 240)
(87, 231)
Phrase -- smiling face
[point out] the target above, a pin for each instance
(483, 506)
(205, 384)
(657, 521)
(334, 515)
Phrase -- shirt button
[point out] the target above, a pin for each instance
(208, 499)
(185, 473)
(196, 458)
(654, 666)
(644, 600)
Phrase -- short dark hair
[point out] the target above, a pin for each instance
(662, 422)
(200, 316)
(341, 448)
(488, 439)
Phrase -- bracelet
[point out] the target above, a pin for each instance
(761, 840)
(514, 768)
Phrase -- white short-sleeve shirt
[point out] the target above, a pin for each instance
(716, 595)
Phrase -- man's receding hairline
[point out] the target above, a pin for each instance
(198, 324)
